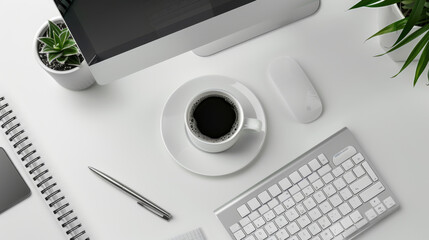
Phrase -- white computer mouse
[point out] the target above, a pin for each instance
(296, 89)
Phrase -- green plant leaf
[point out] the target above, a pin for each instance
(63, 38)
(364, 3)
(57, 40)
(412, 19)
(419, 46)
(400, 24)
(423, 62)
(47, 41)
(408, 39)
(48, 49)
(53, 56)
(69, 43)
(53, 28)
(73, 60)
(384, 3)
(62, 59)
(70, 51)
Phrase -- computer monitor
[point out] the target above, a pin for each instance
(120, 37)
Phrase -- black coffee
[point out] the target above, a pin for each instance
(214, 117)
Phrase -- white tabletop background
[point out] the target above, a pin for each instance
(116, 128)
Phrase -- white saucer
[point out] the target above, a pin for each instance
(211, 164)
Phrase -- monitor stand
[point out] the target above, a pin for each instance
(254, 31)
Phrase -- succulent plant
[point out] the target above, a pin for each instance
(58, 45)
(416, 13)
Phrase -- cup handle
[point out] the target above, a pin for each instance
(252, 124)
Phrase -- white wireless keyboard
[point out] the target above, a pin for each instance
(331, 192)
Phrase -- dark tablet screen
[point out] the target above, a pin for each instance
(13, 189)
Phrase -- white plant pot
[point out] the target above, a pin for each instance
(76, 79)
(388, 15)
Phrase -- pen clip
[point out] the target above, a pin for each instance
(154, 211)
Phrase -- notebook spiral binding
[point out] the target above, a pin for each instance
(40, 174)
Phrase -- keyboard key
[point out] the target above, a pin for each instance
(239, 235)
(374, 202)
(334, 215)
(324, 170)
(293, 228)
(250, 238)
(243, 210)
(293, 238)
(361, 223)
(254, 215)
(380, 208)
(244, 221)
(389, 202)
(356, 216)
(279, 209)
(253, 204)
(269, 216)
(283, 196)
(263, 209)
(298, 197)
(264, 197)
(347, 165)
(318, 184)
(305, 171)
(336, 229)
(309, 203)
(343, 155)
(349, 231)
(326, 235)
(303, 221)
(349, 177)
(370, 214)
(329, 190)
(295, 177)
(285, 184)
(314, 228)
(280, 221)
(346, 193)
(339, 184)
(270, 228)
(361, 184)
(314, 164)
(328, 178)
(291, 214)
(314, 214)
(259, 222)
(307, 191)
(325, 207)
(370, 172)
(304, 183)
(304, 235)
(282, 234)
(324, 222)
(313, 177)
(355, 202)
(359, 171)
(358, 158)
(322, 158)
(294, 189)
(301, 209)
(289, 203)
(274, 190)
(273, 203)
(345, 208)
(249, 228)
(338, 171)
(335, 200)
(372, 191)
(346, 222)
(260, 234)
(319, 196)
(234, 228)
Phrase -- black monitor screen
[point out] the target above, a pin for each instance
(105, 28)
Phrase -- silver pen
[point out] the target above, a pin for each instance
(142, 201)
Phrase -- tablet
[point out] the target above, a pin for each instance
(13, 188)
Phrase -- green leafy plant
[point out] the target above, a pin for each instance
(416, 13)
(58, 45)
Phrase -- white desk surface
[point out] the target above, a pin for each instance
(116, 128)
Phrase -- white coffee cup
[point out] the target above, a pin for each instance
(223, 143)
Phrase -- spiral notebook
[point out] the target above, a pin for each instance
(40, 174)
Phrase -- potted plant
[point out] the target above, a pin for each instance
(58, 54)
(407, 31)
